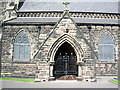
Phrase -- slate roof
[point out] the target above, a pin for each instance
(45, 5)
(51, 20)
(38, 6)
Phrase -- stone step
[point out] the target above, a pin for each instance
(67, 77)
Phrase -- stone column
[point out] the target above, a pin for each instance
(79, 78)
(79, 71)
(51, 71)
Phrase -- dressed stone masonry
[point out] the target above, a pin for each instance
(46, 35)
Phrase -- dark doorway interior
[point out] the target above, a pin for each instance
(65, 67)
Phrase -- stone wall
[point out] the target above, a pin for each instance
(10, 67)
(38, 34)
(119, 57)
(104, 68)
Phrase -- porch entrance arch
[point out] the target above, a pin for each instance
(65, 56)
(65, 63)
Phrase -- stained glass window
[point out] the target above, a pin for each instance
(21, 47)
(106, 47)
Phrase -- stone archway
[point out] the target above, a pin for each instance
(65, 67)
(75, 48)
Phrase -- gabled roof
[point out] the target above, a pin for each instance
(50, 12)
(42, 5)
(53, 20)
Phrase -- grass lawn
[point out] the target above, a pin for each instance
(19, 79)
(115, 81)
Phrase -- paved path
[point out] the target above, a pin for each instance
(103, 82)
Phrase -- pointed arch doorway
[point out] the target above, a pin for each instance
(65, 67)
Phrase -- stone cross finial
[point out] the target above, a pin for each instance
(66, 3)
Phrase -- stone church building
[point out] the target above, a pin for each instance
(62, 44)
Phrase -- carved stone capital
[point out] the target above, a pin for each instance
(51, 63)
(80, 63)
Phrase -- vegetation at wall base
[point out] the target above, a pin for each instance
(18, 79)
(116, 81)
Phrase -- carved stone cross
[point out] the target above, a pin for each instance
(66, 3)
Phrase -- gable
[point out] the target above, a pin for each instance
(65, 25)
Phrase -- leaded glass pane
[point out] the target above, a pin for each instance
(106, 39)
(16, 51)
(22, 52)
(26, 53)
(106, 47)
(21, 38)
(21, 47)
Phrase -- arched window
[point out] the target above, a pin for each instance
(21, 47)
(106, 47)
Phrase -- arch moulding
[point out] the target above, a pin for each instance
(66, 38)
